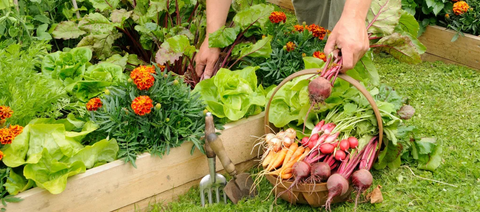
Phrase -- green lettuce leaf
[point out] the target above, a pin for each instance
(17, 183)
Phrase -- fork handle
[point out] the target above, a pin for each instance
(216, 144)
(209, 128)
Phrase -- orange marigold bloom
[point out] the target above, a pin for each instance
(142, 77)
(162, 67)
(5, 112)
(15, 130)
(5, 136)
(1, 155)
(320, 55)
(299, 28)
(317, 31)
(447, 15)
(290, 46)
(460, 7)
(142, 105)
(277, 17)
(94, 104)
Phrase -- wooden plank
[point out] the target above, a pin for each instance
(465, 50)
(287, 4)
(433, 58)
(172, 195)
(116, 185)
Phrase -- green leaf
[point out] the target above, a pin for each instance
(403, 47)
(42, 18)
(101, 44)
(118, 60)
(17, 183)
(431, 161)
(66, 66)
(383, 16)
(102, 151)
(96, 24)
(261, 48)
(313, 62)
(408, 24)
(256, 15)
(223, 37)
(103, 5)
(239, 5)
(67, 30)
(437, 7)
(120, 16)
(42, 33)
(173, 48)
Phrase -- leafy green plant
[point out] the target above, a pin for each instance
(233, 94)
(50, 151)
(175, 116)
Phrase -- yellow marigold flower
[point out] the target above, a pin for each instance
(320, 55)
(460, 7)
(5, 136)
(290, 46)
(142, 77)
(447, 16)
(1, 155)
(142, 105)
(298, 28)
(94, 104)
(277, 17)
(5, 112)
(15, 130)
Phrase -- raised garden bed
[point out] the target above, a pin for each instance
(464, 51)
(117, 186)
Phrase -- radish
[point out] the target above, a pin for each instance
(344, 145)
(340, 155)
(304, 141)
(328, 128)
(353, 142)
(320, 172)
(314, 140)
(327, 148)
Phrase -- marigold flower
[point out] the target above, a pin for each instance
(5, 136)
(15, 130)
(304, 55)
(142, 105)
(162, 67)
(290, 46)
(447, 16)
(277, 17)
(142, 77)
(94, 104)
(299, 28)
(1, 155)
(317, 31)
(320, 55)
(460, 7)
(5, 112)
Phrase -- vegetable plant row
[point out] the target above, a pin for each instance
(111, 80)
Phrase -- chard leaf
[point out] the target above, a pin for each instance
(173, 48)
(101, 44)
(256, 15)
(120, 16)
(407, 23)
(261, 48)
(223, 37)
(96, 24)
(313, 62)
(383, 16)
(404, 47)
(67, 30)
(103, 5)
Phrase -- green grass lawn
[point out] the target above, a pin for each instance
(447, 103)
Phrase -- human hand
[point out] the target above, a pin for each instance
(350, 36)
(206, 59)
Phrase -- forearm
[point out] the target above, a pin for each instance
(356, 9)
(217, 12)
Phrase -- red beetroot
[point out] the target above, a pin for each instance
(319, 89)
(320, 172)
(301, 170)
(362, 180)
(337, 186)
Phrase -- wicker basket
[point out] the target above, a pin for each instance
(315, 194)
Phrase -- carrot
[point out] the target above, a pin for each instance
(286, 176)
(268, 158)
(278, 159)
(305, 153)
(290, 152)
(300, 150)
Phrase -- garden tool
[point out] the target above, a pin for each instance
(212, 181)
(241, 184)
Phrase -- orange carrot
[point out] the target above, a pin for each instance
(305, 153)
(290, 152)
(268, 158)
(286, 176)
(278, 159)
(300, 150)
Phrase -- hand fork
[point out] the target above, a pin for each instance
(212, 181)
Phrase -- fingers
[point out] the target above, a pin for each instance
(209, 69)
(347, 59)
(199, 68)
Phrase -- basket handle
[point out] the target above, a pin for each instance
(345, 77)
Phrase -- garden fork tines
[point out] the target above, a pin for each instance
(213, 181)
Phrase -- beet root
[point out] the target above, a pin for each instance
(337, 185)
(319, 89)
(320, 172)
(362, 180)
